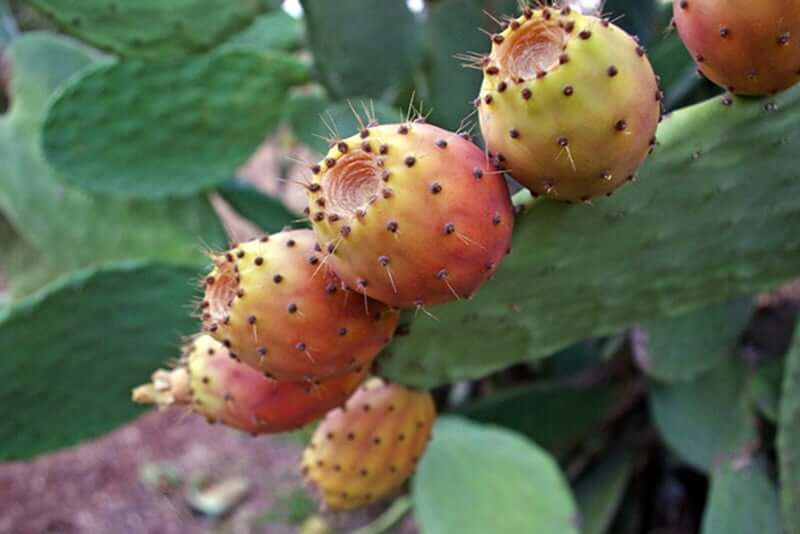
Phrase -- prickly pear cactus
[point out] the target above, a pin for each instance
(213, 384)
(151, 28)
(575, 118)
(749, 48)
(192, 155)
(629, 257)
(54, 374)
(789, 437)
(410, 214)
(368, 448)
(176, 127)
(272, 303)
(61, 220)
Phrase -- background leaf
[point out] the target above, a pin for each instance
(73, 228)
(151, 28)
(272, 31)
(266, 212)
(789, 439)
(680, 348)
(362, 47)
(707, 420)
(765, 388)
(742, 500)
(74, 350)
(222, 107)
(556, 417)
(309, 112)
(477, 479)
(24, 265)
(599, 492)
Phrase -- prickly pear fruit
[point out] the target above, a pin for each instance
(569, 103)
(410, 214)
(365, 450)
(749, 47)
(275, 306)
(223, 390)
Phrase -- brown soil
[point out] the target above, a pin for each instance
(98, 488)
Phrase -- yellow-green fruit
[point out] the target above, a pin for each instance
(366, 450)
(569, 103)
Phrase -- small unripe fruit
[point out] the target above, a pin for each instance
(569, 103)
(749, 47)
(214, 385)
(412, 215)
(367, 450)
(279, 309)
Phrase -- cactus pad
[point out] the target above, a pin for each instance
(29, 188)
(691, 233)
(151, 28)
(788, 440)
(360, 49)
(211, 114)
(71, 357)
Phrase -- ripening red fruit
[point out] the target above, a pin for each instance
(278, 309)
(213, 384)
(410, 214)
(749, 47)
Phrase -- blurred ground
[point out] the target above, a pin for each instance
(100, 487)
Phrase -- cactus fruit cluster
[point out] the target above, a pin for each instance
(569, 103)
(272, 302)
(411, 214)
(747, 47)
(366, 449)
(213, 384)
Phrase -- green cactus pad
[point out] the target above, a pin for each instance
(309, 112)
(688, 416)
(273, 31)
(73, 351)
(789, 438)
(360, 49)
(156, 129)
(742, 500)
(71, 227)
(705, 222)
(481, 478)
(680, 348)
(450, 29)
(557, 417)
(266, 212)
(600, 491)
(151, 28)
(25, 267)
(765, 389)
